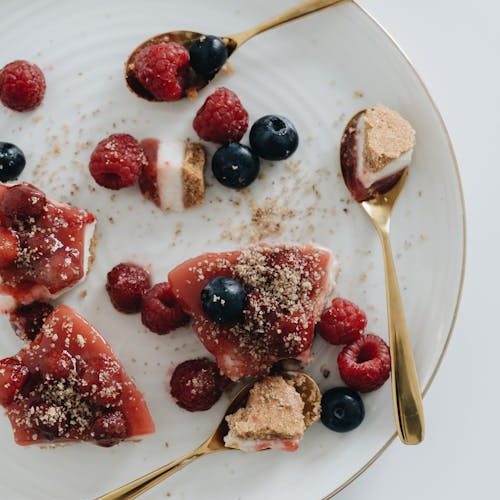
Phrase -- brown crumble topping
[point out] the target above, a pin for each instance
(387, 137)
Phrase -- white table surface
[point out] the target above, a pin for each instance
(455, 46)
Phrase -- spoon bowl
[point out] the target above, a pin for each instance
(378, 202)
(194, 81)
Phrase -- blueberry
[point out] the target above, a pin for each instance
(274, 137)
(207, 55)
(12, 162)
(342, 409)
(223, 300)
(235, 166)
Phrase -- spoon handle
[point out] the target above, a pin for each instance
(141, 485)
(304, 8)
(407, 399)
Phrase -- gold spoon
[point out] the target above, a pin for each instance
(407, 399)
(186, 38)
(215, 442)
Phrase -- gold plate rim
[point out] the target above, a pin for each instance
(386, 445)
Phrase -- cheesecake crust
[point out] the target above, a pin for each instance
(193, 175)
(274, 410)
(387, 137)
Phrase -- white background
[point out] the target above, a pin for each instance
(455, 46)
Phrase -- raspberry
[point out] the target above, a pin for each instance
(9, 247)
(161, 312)
(101, 381)
(109, 429)
(222, 118)
(13, 375)
(28, 320)
(57, 365)
(22, 86)
(162, 70)
(127, 283)
(365, 364)
(196, 385)
(23, 201)
(117, 161)
(342, 323)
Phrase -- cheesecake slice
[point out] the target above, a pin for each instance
(276, 415)
(287, 287)
(174, 177)
(376, 148)
(54, 252)
(67, 385)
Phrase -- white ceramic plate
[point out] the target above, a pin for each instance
(318, 72)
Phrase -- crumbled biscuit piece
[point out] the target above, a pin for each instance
(193, 178)
(387, 137)
(274, 410)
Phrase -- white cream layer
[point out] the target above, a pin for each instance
(169, 174)
(366, 176)
(249, 445)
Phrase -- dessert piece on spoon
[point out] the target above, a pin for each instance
(375, 149)
(276, 415)
(302, 386)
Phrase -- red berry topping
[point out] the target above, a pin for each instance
(196, 385)
(13, 375)
(22, 85)
(291, 337)
(162, 70)
(161, 312)
(101, 381)
(27, 320)
(365, 364)
(222, 118)
(57, 365)
(127, 283)
(110, 428)
(9, 247)
(342, 323)
(23, 201)
(117, 161)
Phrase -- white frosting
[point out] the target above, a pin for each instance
(231, 441)
(365, 175)
(169, 174)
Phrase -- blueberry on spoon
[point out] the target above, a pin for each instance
(207, 55)
(12, 162)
